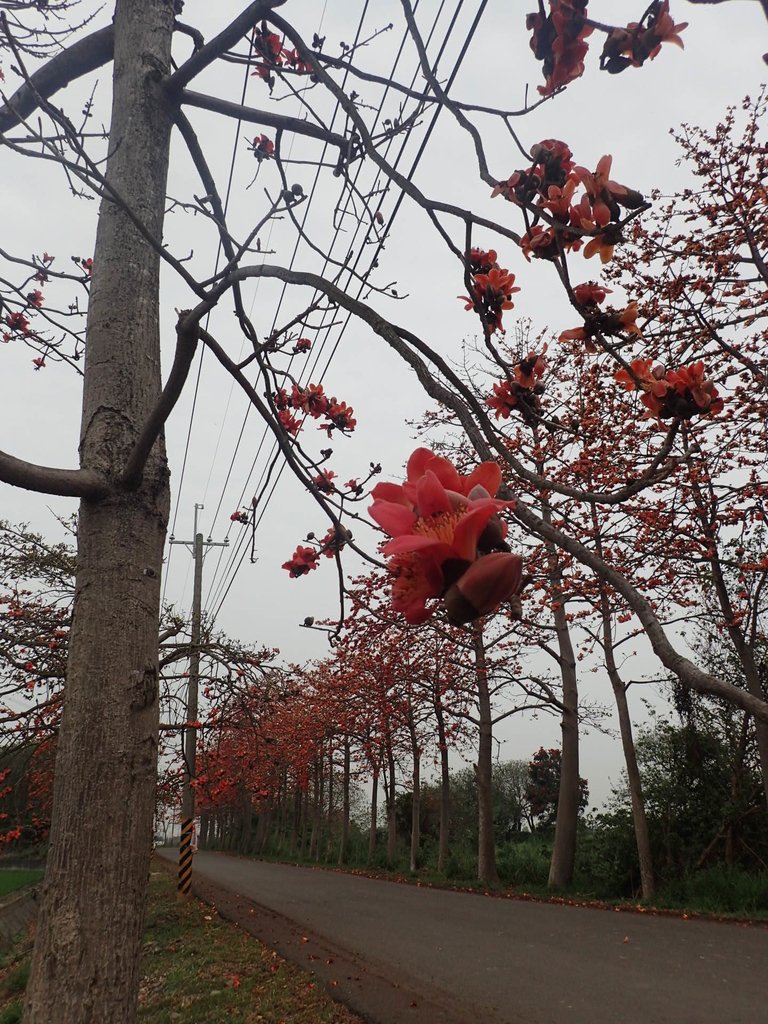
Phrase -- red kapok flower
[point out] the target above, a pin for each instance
(590, 292)
(503, 400)
(438, 521)
(324, 481)
(310, 400)
(289, 422)
(18, 322)
(482, 588)
(341, 416)
(263, 147)
(303, 561)
(334, 540)
(491, 295)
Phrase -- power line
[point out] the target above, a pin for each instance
(398, 203)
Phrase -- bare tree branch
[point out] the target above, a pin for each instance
(77, 60)
(264, 117)
(227, 38)
(186, 346)
(70, 483)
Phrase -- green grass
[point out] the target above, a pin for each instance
(11, 879)
(199, 969)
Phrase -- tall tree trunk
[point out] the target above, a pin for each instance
(486, 842)
(391, 808)
(564, 847)
(345, 784)
(246, 818)
(317, 809)
(445, 782)
(372, 829)
(639, 819)
(98, 861)
(566, 826)
(295, 820)
(329, 839)
(416, 794)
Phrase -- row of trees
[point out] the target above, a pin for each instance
(629, 459)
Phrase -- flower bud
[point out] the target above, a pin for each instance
(482, 588)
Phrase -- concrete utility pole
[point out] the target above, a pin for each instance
(190, 733)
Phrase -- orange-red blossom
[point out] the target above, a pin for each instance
(680, 394)
(446, 539)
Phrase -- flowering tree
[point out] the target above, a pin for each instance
(107, 745)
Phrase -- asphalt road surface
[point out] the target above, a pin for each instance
(400, 953)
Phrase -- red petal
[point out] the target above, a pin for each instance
(417, 464)
(487, 475)
(446, 473)
(393, 518)
(469, 528)
(431, 495)
(390, 492)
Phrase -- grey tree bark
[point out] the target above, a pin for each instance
(345, 802)
(486, 843)
(564, 847)
(373, 820)
(416, 801)
(85, 963)
(445, 779)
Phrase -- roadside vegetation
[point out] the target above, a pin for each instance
(708, 828)
(198, 969)
(12, 879)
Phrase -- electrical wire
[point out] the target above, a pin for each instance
(222, 591)
(243, 552)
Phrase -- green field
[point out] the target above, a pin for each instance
(11, 878)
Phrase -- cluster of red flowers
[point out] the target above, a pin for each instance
(492, 289)
(589, 297)
(548, 188)
(559, 40)
(303, 560)
(302, 345)
(269, 47)
(239, 517)
(45, 260)
(522, 389)
(306, 558)
(324, 481)
(641, 41)
(17, 324)
(263, 148)
(447, 540)
(334, 541)
(671, 394)
(312, 401)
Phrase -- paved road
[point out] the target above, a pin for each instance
(459, 958)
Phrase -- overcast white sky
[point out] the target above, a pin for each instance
(627, 115)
